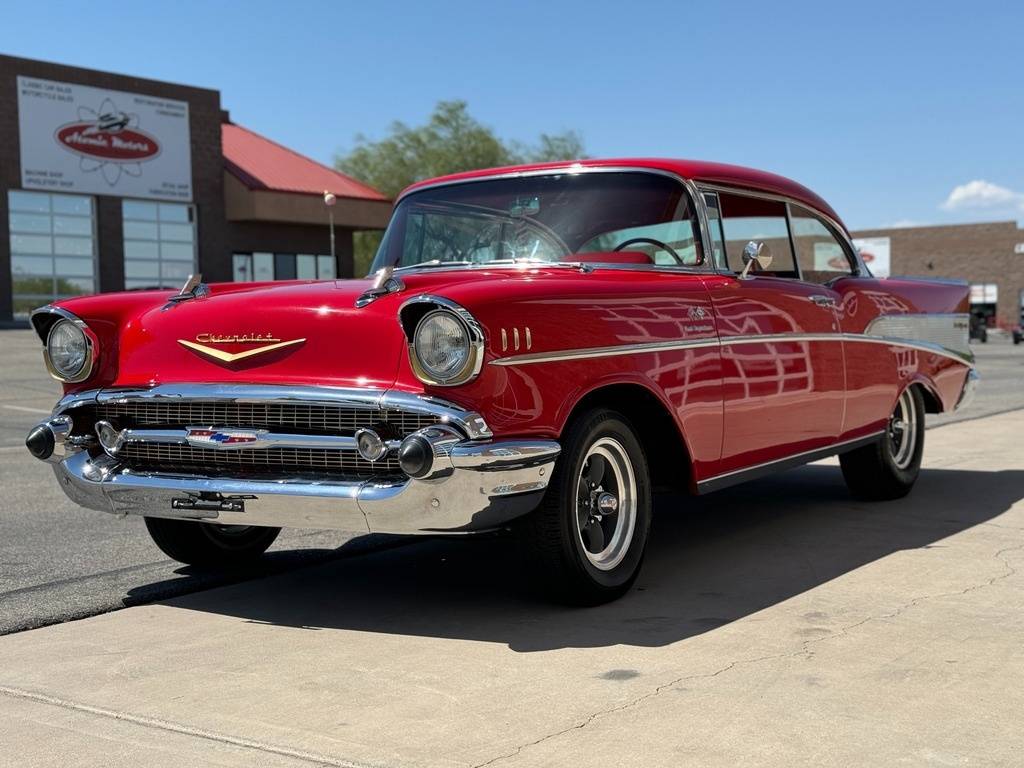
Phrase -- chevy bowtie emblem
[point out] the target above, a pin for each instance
(222, 438)
(231, 357)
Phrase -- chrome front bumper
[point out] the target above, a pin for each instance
(486, 485)
(474, 482)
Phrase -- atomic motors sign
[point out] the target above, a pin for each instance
(80, 139)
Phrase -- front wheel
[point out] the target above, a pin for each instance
(206, 544)
(586, 540)
(889, 468)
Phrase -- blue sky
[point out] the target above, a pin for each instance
(895, 112)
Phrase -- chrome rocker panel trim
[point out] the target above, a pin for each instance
(484, 486)
(742, 475)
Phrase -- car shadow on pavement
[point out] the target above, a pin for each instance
(712, 560)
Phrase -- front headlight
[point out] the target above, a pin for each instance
(446, 350)
(68, 352)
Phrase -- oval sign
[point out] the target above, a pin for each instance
(126, 145)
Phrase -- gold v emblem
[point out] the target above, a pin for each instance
(231, 357)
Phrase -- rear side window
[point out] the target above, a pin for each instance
(746, 219)
(819, 252)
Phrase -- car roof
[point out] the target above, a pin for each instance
(695, 170)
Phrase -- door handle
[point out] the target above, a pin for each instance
(823, 301)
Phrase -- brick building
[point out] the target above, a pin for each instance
(111, 182)
(989, 256)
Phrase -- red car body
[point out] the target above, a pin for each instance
(726, 378)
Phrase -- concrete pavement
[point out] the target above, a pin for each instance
(778, 623)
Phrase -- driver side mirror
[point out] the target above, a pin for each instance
(755, 253)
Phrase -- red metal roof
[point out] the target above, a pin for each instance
(260, 163)
(732, 175)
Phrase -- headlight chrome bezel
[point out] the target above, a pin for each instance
(88, 364)
(473, 363)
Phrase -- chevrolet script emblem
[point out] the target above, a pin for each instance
(223, 438)
(203, 340)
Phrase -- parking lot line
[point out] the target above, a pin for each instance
(26, 409)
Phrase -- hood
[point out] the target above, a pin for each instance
(311, 333)
(295, 333)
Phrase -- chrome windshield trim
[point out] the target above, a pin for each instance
(471, 423)
(729, 341)
(705, 266)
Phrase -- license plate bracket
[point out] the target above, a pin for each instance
(209, 505)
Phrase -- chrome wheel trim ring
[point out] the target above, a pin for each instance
(619, 471)
(902, 431)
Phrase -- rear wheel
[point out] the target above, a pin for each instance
(889, 468)
(586, 541)
(205, 544)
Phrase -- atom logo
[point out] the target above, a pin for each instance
(109, 141)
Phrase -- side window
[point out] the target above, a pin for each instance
(763, 221)
(819, 252)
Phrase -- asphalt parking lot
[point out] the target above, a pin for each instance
(778, 623)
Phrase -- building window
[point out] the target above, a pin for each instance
(260, 267)
(159, 244)
(53, 248)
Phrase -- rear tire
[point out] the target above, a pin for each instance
(889, 468)
(585, 542)
(204, 544)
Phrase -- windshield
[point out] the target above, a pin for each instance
(615, 217)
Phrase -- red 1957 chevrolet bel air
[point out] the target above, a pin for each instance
(538, 347)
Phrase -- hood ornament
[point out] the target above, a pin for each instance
(194, 288)
(384, 282)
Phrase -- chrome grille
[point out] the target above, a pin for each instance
(286, 417)
(326, 419)
(171, 456)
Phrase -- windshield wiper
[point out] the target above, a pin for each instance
(436, 263)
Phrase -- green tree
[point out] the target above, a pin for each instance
(451, 141)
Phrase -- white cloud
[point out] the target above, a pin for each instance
(904, 223)
(983, 194)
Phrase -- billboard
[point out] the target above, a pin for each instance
(875, 251)
(75, 138)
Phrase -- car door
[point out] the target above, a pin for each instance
(782, 357)
(872, 379)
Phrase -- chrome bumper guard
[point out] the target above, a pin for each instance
(474, 482)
